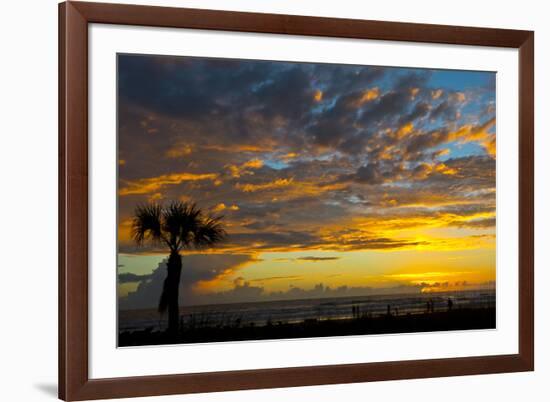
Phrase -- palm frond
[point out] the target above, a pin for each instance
(180, 221)
(209, 232)
(147, 223)
(179, 225)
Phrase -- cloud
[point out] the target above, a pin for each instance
(318, 96)
(245, 291)
(152, 184)
(277, 278)
(446, 110)
(287, 150)
(468, 132)
(347, 125)
(246, 168)
(436, 94)
(475, 223)
(420, 110)
(180, 151)
(280, 240)
(128, 277)
(361, 98)
(374, 173)
(316, 259)
(278, 183)
(207, 269)
(380, 172)
(197, 268)
(362, 242)
(174, 86)
(222, 207)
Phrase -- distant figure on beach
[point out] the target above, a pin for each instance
(389, 310)
(430, 306)
(450, 304)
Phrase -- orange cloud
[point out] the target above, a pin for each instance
(458, 96)
(390, 224)
(125, 230)
(290, 155)
(288, 188)
(153, 184)
(239, 148)
(318, 96)
(480, 134)
(237, 171)
(444, 169)
(253, 164)
(441, 152)
(370, 94)
(490, 145)
(250, 188)
(222, 207)
(367, 96)
(179, 151)
(405, 130)
(155, 197)
(184, 149)
(437, 94)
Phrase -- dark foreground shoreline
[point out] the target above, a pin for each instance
(459, 319)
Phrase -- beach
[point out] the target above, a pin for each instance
(382, 314)
(463, 319)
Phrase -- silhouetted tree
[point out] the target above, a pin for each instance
(179, 226)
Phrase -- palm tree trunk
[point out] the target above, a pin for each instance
(170, 292)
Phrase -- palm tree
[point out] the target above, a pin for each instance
(179, 226)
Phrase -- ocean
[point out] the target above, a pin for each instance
(293, 311)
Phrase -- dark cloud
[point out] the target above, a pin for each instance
(274, 240)
(392, 105)
(420, 110)
(426, 140)
(375, 173)
(292, 83)
(315, 259)
(377, 243)
(446, 110)
(336, 127)
(184, 87)
(129, 277)
(475, 223)
(344, 79)
(388, 108)
(197, 267)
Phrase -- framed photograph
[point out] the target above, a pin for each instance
(257, 201)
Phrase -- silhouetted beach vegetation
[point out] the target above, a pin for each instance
(366, 324)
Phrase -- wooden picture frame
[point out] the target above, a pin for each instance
(74, 381)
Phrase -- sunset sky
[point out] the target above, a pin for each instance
(334, 180)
